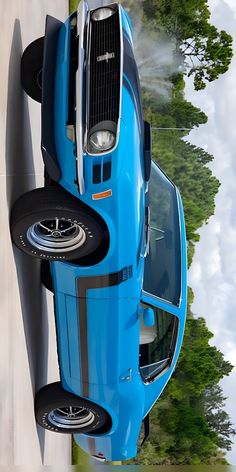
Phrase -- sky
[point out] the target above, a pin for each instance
(213, 272)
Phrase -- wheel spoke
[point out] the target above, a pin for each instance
(62, 411)
(67, 229)
(57, 223)
(44, 227)
(80, 411)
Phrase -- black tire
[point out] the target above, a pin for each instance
(31, 69)
(79, 233)
(46, 276)
(52, 400)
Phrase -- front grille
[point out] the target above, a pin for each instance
(104, 71)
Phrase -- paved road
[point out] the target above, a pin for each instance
(27, 336)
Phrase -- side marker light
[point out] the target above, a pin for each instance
(100, 195)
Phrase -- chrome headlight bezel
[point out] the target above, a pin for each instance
(101, 131)
(102, 13)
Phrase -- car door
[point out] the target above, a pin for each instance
(164, 286)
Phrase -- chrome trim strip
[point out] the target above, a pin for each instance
(99, 459)
(121, 83)
(148, 233)
(155, 363)
(87, 79)
(154, 297)
(82, 13)
(181, 246)
(148, 382)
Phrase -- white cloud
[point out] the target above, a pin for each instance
(231, 4)
(196, 274)
(213, 272)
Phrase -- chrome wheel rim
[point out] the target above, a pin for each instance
(56, 235)
(71, 417)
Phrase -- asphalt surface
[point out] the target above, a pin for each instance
(28, 357)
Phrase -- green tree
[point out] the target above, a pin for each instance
(214, 401)
(185, 165)
(199, 365)
(176, 112)
(208, 55)
(220, 423)
(213, 398)
(178, 17)
(185, 113)
(207, 52)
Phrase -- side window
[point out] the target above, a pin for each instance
(157, 345)
(162, 270)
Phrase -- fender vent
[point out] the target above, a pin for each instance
(101, 172)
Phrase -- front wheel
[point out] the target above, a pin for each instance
(50, 224)
(63, 412)
(31, 69)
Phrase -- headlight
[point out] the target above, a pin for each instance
(102, 137)
(100, 141)
(102, 13)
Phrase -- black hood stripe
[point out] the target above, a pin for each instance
(130, 70)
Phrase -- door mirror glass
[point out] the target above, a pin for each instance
(148, 317)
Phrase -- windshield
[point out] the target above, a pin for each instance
(162, 271)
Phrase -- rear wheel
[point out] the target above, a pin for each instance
(31, 69)
(50, 224)
(63, 412)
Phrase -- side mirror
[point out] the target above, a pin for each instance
(148, 317)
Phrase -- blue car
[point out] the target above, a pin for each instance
(109, 228)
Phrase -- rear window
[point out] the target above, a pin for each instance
(157, 355)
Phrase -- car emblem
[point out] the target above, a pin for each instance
(106, 57)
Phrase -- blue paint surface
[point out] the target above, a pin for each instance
(113, 313)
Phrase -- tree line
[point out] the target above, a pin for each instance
(189, 424)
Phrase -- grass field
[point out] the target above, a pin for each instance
(79, 457)
(73, 4)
